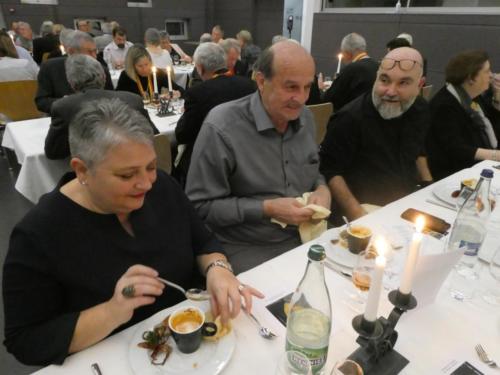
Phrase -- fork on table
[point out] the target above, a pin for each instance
(484, 356)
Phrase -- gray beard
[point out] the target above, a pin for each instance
(389, 111)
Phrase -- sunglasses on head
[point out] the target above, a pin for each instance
(405, 64)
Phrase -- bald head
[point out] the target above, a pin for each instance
(406, 53)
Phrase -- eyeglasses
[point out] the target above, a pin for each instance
(405, 64)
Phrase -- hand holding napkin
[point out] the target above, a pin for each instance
(316, 226)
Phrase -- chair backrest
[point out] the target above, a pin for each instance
(18, 100)
(321, 113)
(426, 92)
(163, 153)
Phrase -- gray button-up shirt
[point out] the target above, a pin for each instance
(239, 160)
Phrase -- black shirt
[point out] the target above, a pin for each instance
(63, 259)
(125, 83)
(376, 157)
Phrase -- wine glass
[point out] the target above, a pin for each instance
(361, 276)
(293, 363)
(145, 98)
(492, 295)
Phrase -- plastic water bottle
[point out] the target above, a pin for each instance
(309, 318)
(468, 233)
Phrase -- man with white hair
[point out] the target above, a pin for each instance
(216, 88)
(24, 37)
(233, 50)
(86, 77)
(357, 77)
(373, 152)
(52, 82)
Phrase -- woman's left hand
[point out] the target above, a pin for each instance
(226, 292)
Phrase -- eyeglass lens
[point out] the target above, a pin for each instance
(405, 65)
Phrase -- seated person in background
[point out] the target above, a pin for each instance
(85, 27)
(86, 77)
(106, 38)
(397, 43)
(249, 51)
(357, 77)
(52, 82)
(115, 52)
(254, 156)
(47, 43)
(176, 52)
(234, 65)
(138, 75)
(195, 77)
(465, 125)
(216, 88)
(217, 34)
(161, 58)
(24, 37)
(373, 151)
(13, 68)
(83, 263)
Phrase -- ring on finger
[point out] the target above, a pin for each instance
(241, 287)
(128, 291)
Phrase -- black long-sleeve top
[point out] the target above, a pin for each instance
(125, 83)
(63, 259)
(453, 137)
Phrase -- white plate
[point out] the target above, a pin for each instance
(340, 255)
(209, 359)
(443, 192)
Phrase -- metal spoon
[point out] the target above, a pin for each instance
(347, 223)
(263, 331)
(193, 294)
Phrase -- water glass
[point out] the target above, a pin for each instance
(347, 367)
(293, 363)
(145, 98)
(492, 295)
(361, 277)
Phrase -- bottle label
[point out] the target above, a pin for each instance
(471, 248)
(317, 357)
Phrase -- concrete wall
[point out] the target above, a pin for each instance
(437, 36)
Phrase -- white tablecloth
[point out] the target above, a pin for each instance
(182, 73)
(429, 337)
(39, 175)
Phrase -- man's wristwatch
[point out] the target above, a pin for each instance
(219, 263)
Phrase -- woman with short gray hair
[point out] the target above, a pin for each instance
(84, 262)
(161, 58)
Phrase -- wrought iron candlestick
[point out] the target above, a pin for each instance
(376, 354)
(165, 109)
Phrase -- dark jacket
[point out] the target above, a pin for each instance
(453, 137)
(64, 110)
(355, 79)
(199, 100)
(48, 43)
(53, 84)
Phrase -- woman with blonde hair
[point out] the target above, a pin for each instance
(13, 68)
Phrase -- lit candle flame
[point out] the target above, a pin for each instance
(340, 56)
(154, 69)
(381, 246)
(420, 224)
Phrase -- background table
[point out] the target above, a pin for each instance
(430, 337)
(39, 175)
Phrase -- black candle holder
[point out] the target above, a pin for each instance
(165, 109)
(376, 354)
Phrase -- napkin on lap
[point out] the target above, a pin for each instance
(311, 229)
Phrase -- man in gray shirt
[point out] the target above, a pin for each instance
(254, 156)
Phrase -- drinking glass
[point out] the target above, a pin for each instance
(361, 275)
(462, 197)
(293, 363)
(347, 367)
(164, 92)
(492, 295)
(178, 105)
(145, 98)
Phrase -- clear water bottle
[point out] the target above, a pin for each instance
(309, 319)
(468, 233)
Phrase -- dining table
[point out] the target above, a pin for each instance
(181, 74)
(435, 337)
(38, 174)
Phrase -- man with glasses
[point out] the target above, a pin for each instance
(357, 77)
(373, 151)
(52, 81)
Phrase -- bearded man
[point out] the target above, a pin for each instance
(373, 152)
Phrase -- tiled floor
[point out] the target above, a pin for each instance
(13, 206)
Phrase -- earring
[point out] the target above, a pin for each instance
(82, 182)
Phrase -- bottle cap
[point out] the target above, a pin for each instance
(487, 173)
(316, 252)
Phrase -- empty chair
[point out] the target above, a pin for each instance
(163, 154)
(18, 100)
(322, 113)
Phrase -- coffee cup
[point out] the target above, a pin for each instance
(188, 326)
(358, 238)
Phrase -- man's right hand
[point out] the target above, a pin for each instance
(287, 210)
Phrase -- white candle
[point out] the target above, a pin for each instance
(169, 74)
(373, 300)
(340, 63)
(154, 80)
(63, 51)
(411, 260)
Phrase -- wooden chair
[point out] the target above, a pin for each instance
(426, 92)
(163, 153)
(18, 100)
(322, 113)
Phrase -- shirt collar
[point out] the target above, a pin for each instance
(263, 121)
